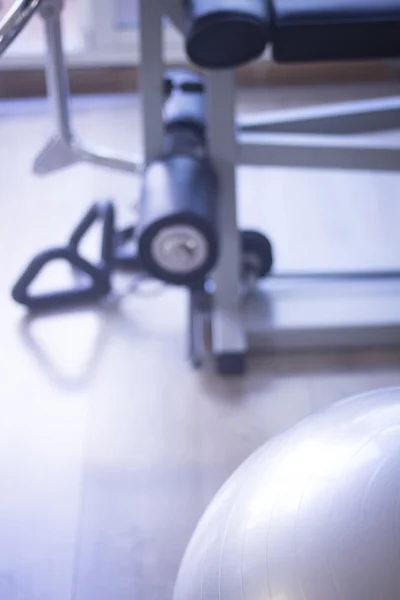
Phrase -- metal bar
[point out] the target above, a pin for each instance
(109, 161)
(341, 276)
(322, 152)
(326, 338)
(290, 315)
(196, 327)
(15, 20)
(56, 68)
(339, 118)
(151, 76)
(227, 327)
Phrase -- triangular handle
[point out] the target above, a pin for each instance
(104, 212)
(98, 287)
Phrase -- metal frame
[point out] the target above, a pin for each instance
(228, 334)
(317, 137)
(307, 138)
(63, 149)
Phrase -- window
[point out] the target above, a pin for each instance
(116, 27)
(31, 43)
(95, 32)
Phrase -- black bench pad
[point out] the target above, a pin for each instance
(334, 30)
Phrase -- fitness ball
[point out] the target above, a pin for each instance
(313, 515)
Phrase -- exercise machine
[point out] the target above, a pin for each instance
(187, 232)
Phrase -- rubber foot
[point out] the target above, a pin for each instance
(231, 365)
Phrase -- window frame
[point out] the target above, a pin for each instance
(107, 38)
(104, 44)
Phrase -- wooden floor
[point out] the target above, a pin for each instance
(110, 445)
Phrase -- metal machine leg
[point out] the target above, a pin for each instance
(151, 76)
(229, 340)
(57, 153)
(199, 307)
(63, 150)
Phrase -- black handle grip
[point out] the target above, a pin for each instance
(105, 212)
(98, 287)
(112, 255)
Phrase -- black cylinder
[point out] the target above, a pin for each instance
(184, 112)
(184, 80)
(177, 233)
(225, 34)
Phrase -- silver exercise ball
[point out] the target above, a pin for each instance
(313, 515)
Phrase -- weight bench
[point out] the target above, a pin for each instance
(321, 30)
(193, 144)
(229, 33)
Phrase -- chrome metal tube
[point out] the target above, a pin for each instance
(15, 20)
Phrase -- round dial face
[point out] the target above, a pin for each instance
(180, 249)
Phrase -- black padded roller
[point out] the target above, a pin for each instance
(177, 234)
(184, 110)
(329, 30)
(184, 113)
(184, 80)
(225, 34)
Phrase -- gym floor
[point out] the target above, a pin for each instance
(111, 446)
